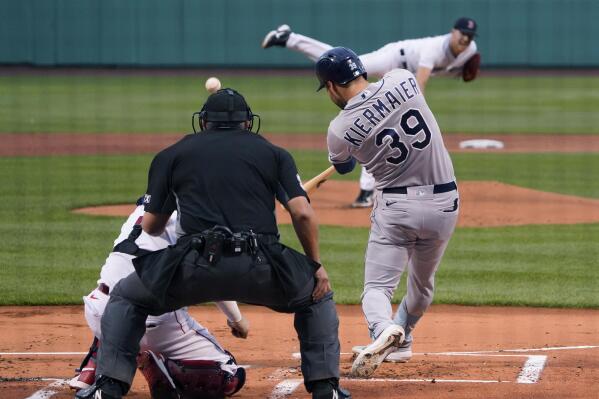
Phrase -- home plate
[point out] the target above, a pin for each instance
(481, 144)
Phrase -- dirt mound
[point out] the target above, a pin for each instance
(483, 204)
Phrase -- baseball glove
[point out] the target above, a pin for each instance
(471, 68)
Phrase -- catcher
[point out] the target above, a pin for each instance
(451, 54)
(179, 358)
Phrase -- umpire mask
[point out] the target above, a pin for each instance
(226, 108)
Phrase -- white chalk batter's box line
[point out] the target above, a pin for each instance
(296, 355)
(530, 373)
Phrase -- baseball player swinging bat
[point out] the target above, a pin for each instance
(311, 184)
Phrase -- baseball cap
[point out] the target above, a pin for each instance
(466, 25)
(226, 105)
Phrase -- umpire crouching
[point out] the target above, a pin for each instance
(223, 181)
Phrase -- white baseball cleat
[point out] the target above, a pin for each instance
(373, 355)
(277, 37)
(399, 355)
(364, 199)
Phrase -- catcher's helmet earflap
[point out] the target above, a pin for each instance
(227, 108)
(339, 65)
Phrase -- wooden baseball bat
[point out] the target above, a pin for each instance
(316, 181)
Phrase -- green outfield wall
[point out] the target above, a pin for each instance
(217, 33)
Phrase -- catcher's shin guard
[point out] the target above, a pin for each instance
(188, 379)
(160, 382)
(87, 370)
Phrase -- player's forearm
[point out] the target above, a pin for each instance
(230, 309)
(305, 226)
(422, 76)
(154, 223)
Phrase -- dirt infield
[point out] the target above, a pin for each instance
(39, 144)
(460, 352)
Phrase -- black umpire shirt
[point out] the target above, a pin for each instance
(225, 177)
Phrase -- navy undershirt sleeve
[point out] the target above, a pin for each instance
(345, 167)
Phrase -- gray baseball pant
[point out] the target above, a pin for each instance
(411, 230)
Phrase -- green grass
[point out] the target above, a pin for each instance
(561, 104)
(550, 266)
(51, 256)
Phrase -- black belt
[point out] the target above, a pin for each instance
(404, 63)
(437, 189)
(220, 240)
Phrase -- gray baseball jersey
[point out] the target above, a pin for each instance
(390, 130)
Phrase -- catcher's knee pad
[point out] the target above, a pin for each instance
(188, 379)
(160, 382)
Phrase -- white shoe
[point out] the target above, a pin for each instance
(373, 355)
(364, 200)
(400, 355)
(277, 37)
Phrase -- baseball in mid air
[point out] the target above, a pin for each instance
(212, 84)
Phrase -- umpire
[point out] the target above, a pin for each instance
(223, 181)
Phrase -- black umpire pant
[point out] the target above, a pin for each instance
(244, 278)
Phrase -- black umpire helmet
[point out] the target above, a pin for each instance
(339, 65)
(226, 108)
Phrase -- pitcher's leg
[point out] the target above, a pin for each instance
(317, 328)
(309, 47)
(379, 62)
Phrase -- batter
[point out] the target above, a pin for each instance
(389, 129)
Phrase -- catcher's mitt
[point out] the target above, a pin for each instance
(471, 68)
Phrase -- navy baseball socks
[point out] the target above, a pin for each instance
(408, 322)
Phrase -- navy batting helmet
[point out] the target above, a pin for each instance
(340, 65)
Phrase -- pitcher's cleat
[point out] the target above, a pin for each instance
(277, 37)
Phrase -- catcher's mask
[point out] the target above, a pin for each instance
(227, 109)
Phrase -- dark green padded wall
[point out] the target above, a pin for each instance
(536, 33)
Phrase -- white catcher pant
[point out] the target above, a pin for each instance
(410, 230)
(175, 334)
(377, 62)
